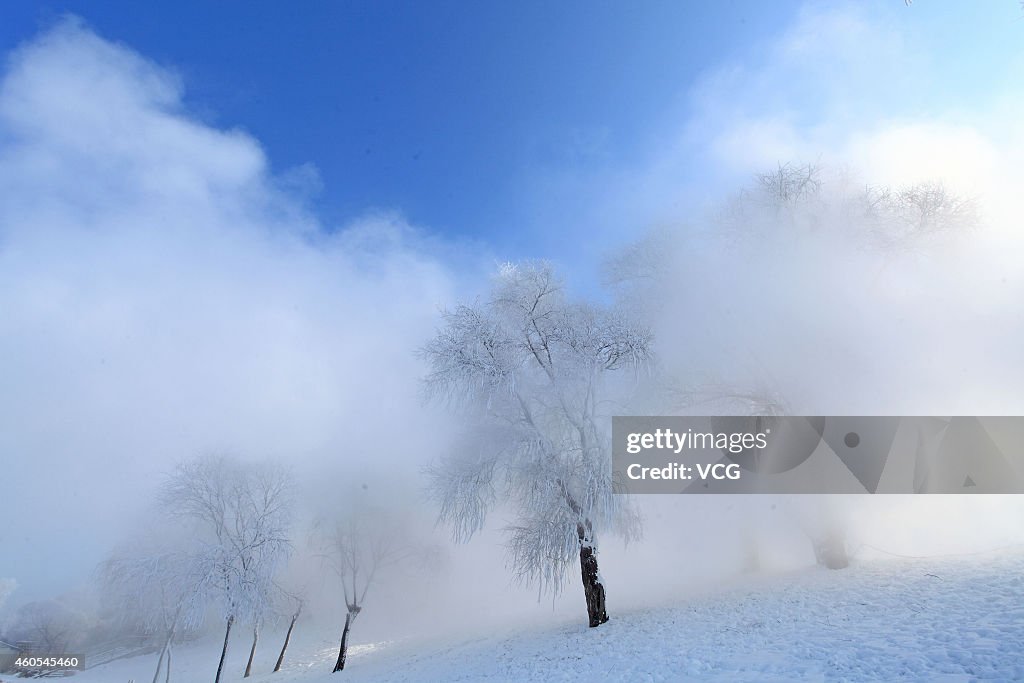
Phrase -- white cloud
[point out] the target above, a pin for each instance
(164, 294)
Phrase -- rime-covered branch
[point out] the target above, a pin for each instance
(530, 371)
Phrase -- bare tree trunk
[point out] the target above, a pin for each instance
(159, 663)
(343, 650)
(287, 639)
(168, 679)
(165, 651)
(252, 652)
(593, 589)
(224, 650)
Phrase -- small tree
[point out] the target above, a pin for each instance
(358, 547)
(162, 590)
(242, 513)
(531, 370)
(49, 626)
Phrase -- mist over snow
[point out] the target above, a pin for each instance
(809, 305)
(165, 293)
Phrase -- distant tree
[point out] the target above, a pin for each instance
(243, 514)
(882, 217)
(49, 626)
(532, 371)
(789, 184)
(887, 220)
(899, 218)
(358, 546)
(160, 590)
(787, 204)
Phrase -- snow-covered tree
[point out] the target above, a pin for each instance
(900, 218)
(161, 590)
(261, 601)
(797, 200)
(358, 545)
(49, 626)
(531, 370)
(242, 513)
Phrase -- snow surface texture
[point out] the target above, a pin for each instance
(950, 619)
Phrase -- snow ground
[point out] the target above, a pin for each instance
(952, 619)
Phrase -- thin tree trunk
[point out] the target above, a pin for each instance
(287, 639)
(165, 651)
(160, 662)
(252, 652)
(168, 679)
(343, 650)
(224, 650)
(593, 589)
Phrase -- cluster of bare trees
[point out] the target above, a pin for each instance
(227, 534)
(793, 197)
(790, 203)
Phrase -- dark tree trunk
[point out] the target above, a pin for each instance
(287, 639)
(252, 652)
(224, 650)
(160, 661)
(350, 616)
(168, 679)
(593, 589)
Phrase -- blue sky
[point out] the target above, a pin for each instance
(444, 110)
(500, 122)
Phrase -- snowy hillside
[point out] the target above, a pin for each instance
(951, 619)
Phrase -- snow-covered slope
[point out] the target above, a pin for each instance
(953, 619)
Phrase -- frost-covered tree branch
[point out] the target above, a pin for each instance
(532, 372)
(242, 514)
(160, 589)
